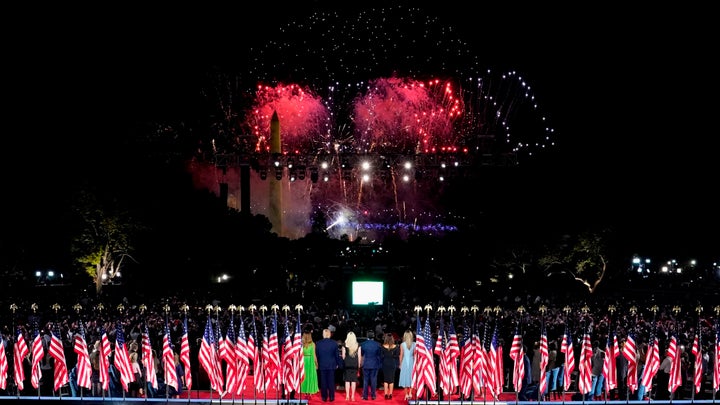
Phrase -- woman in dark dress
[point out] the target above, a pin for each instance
(390, 364)
(352, 356)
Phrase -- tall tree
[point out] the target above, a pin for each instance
(103, 238)
(584, 257)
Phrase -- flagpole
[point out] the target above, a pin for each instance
(252, 308)
(567, 310)
(474, 310)
(498, 388)
(33, 370)
(55, 307)
(486, 328)
(543, 381)
(698, 309)
(265, 341)
(633, 311)
(611, 310)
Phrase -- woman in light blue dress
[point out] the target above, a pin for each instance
(407, 360)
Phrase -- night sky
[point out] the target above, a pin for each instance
(628, 92)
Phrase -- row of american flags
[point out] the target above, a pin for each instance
(116, 352)
(467, 363)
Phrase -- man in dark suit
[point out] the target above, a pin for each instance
(371, 363)
(328, 357)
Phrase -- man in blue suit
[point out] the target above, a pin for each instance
(371, 363)
(328, 357)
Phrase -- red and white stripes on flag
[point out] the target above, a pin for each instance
(227, 354)
(652, 363)
(168, 360)
(447, 363)
(585, 366)
(208, 358)
(20, 351)
(122, 358)
(256, 358)
(517, 352)
(104, 361)
(477, 361)
(567, 347)
(56, 351)
(243, 356)
(544, 358)
(271, 356)
(185, 355)
(299, 373)
(466, 363)
(423, 376)
(38, 352)
(675, 365)
(3, 364)
(697, 352)
(453, 353)
(83, 368)
(288, 358)
(630, 353)
(609, 367)
(496, 357)
(148, 362)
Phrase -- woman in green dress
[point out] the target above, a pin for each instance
(310, 382)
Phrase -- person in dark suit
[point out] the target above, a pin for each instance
(371, 363)
(328, 357)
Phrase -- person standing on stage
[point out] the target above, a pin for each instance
(352, 355)
(371, 362)
(407, 362)
(309, 384)
(328, 358)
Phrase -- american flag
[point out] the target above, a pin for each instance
(298, 349)
(148, 361)
(609, 368)
(271, 356)
(38, 352)
(630, 353)
(258, 374)
(453, 353)
(168, 359)
(567, 347)
(122, 357)
(483, 359)
(424, 367)
(3, 364)
(675, 365)
(83, 358)
(466, 362)
(496, 357)
(477, 362)
(585, 366)
(517, 352)
(444, 363)
(185, 355)
(227, 353)
(243, 355)
(716, 360)
(207, 357)
(697, 352)
(544, 358)
(57, 352)
(652, 363)
(287, 361)
(104, 362)
(20, 351)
